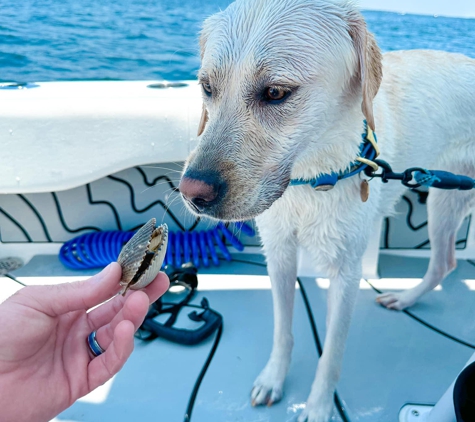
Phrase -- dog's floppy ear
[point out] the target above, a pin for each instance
(369, 63)
(203, 120)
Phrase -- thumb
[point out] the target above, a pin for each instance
(59, 299)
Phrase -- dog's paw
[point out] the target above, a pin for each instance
(396, 301)
(265, 395)
(268, 387)
(316, 414)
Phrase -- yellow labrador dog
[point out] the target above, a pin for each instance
(287, 85)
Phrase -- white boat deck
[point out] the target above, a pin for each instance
(391, 358)
(146, 130)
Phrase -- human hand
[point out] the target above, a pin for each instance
(45, 362)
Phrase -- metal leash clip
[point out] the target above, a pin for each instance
(388, 174)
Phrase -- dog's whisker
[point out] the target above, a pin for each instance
(174, 199)
(167, 208)
(165, 169)
(158, 185)
(165, 182)
(171, 170)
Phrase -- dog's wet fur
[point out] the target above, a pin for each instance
(287, 85)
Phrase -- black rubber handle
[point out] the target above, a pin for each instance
(446, 180)
(212, 321)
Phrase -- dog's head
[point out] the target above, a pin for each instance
(276, 75)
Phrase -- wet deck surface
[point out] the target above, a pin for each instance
(391, 357)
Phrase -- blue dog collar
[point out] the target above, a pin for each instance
(368, 152)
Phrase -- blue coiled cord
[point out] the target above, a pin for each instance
(96, 250)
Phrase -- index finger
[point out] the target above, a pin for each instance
(105, 313)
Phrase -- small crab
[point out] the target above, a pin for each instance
(142, 256)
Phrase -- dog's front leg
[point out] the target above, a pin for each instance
(344, 285)
(281, 252)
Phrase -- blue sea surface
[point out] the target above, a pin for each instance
(47, 40)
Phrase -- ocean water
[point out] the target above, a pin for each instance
(47, 40)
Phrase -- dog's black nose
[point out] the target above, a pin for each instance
(200, 189)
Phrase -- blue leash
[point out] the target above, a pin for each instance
(415, 177)
(96, 250)
(368, 163)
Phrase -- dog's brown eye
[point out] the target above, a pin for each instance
(275, 93)
(206, 88)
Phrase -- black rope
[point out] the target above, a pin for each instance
(194, 393)
(339, 405)
(38, 216)
(387, 226)
(428, 325)
(15, 279)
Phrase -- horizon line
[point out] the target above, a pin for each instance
(399, 12)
